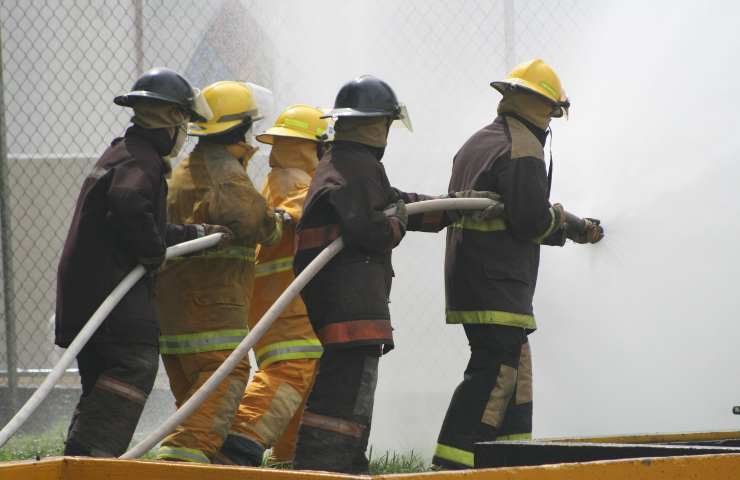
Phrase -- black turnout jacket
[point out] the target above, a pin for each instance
(347, 301)
(491, 266)
(119, 220)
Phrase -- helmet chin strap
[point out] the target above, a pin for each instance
(549, 170)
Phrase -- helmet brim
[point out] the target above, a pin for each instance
(354, 112)
(129, 99)
(268, 136)
(199, 129)
(503, 87)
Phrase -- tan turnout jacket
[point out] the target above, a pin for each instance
(203, 300)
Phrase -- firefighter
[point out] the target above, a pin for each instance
(203, 300)
(347, 301)
(120, 222)
(491, 265)
(287, 356)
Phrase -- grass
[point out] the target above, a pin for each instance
(51, 444)
(389, 462)
(392, 462)
(30, 446)
(47, 444)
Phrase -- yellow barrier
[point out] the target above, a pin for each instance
(714, 467)
(654, 438)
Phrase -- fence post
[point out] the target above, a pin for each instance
(509, 46)
(7, 273)
(139, 36)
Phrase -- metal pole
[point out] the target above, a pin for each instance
(509, 47)
(7, 273)
(139, 36)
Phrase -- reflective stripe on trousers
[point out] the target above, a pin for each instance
(201, 342)
(182, 454)
(455, 455)
(288, 350)
(278, 265)
(495, 317)
(514, 436)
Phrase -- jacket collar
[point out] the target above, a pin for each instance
(158, 138)
(376, 152)
(536, 131)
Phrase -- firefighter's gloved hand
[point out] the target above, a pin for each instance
(398, 219)
(283, 216)
(226, 238)
(489, 213)
(588, 231)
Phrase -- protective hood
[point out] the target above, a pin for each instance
(372, 131)
(529, 106)
(294, 153)
(242, 151)
(154, 114)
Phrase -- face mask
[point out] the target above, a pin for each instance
(181, 134)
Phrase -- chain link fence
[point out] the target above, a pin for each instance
(63, 61)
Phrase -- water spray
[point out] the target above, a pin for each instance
(89, 329)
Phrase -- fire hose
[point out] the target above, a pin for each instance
(199, 396)
(89, 329)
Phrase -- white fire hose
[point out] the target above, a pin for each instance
(89, 329)
(197, 399)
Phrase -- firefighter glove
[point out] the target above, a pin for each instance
(398, 219)
(227, 236)
(589, 231)
(283, 216)
(489, 213)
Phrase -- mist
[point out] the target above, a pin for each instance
(637, 334)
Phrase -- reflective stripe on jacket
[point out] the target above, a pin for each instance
(491, 266)
(204, 299)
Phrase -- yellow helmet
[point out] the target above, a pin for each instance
(232, 103)
(298, 121)
(538, 77)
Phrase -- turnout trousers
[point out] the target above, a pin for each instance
(116, 381)
(200, 437)
(270, 413)
(334, 432)
(494, 400)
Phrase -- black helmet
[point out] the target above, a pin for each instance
(368, 96)
(167, 86)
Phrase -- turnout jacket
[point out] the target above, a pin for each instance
(119, 219)
(203, 299)
(291, 337)
(491, 266)
(347, 301)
